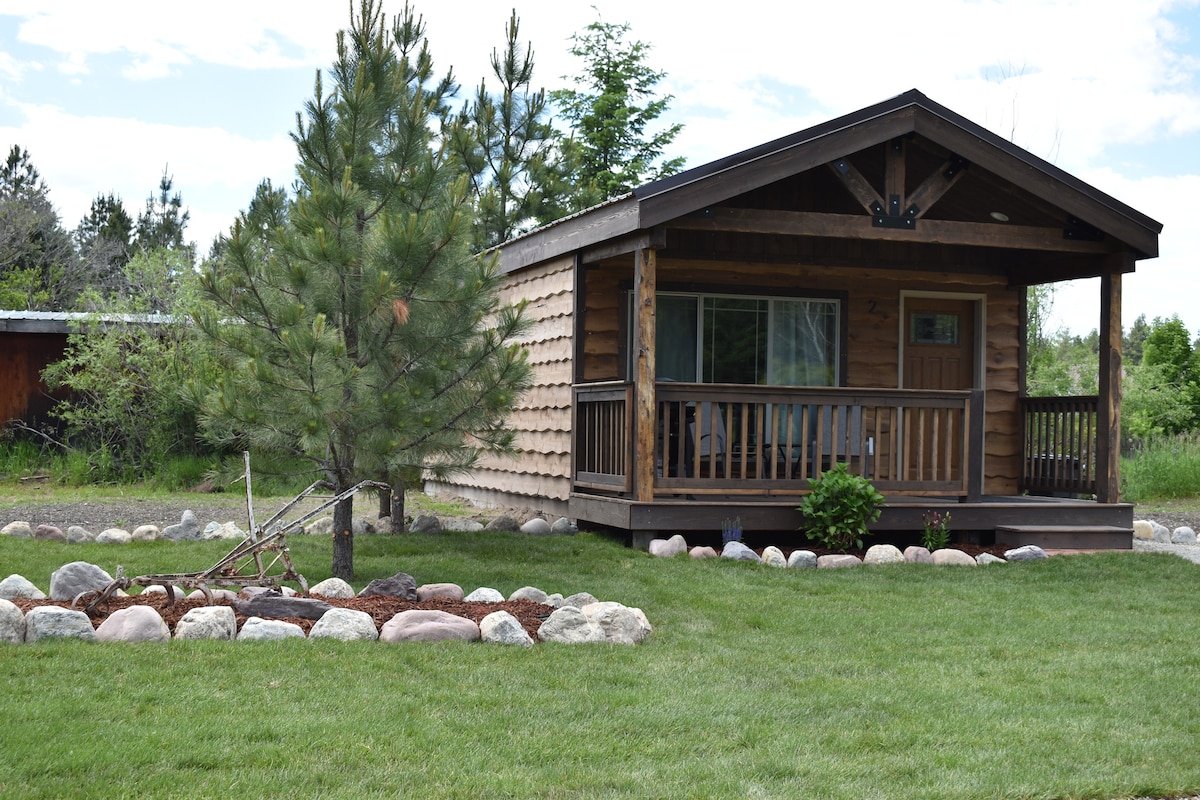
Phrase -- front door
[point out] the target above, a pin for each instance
(939, 353)
(939, 345)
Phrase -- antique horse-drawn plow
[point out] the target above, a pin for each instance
(262, 558)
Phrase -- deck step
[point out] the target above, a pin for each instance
(1067, 537)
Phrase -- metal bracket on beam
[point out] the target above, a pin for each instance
(1079, 231)
(905, 222)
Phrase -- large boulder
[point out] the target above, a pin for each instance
(1030, 552)
(1148, 530)
(55, 622)
(187, 529)
(333, 588)
(146, 533)
(50, 533)
(802, 559)
(18, 529)
(773, 557)
(78, 535)
(621, 624)
(134, 624)
(114, 536)
(400, 585)
(12, 623)
(668, 548)
(702, 552)
(504, 522)
(570, 625)
(1183, 535)
(564, 526)
(267, 630)
(425, 523)
(461, 525)
(207, 622)
(72, 579)
(985, 559)
(446, 591)
(537, 527)
(227, 530)
(276, 606)
(421, 625)
(883, 554)
(739, 552)
(346, 624)
(950, 557)
(916, 554)
(838, 561)
(485, 594)
(15, 586)
(501, 627)
(531, 593)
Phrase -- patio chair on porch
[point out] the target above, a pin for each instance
(824, 450)
(711, 440)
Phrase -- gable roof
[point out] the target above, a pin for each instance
(629, 221)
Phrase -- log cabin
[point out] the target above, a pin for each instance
(854, 292)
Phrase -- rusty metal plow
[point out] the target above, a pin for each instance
(251, 563)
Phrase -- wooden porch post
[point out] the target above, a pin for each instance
(1108, 426)
(644, 320)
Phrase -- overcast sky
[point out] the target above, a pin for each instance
(105, 96)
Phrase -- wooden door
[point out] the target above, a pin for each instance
(939, 353)
(939, 345)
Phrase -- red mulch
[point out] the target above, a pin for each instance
(531, 615)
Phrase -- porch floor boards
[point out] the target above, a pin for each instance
(1061, 523)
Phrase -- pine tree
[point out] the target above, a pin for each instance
(612, 145)
(356, 327)
(163, 222)
(35, 251)
(509, 149)
(104, 244)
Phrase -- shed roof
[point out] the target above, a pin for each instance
(62, 321)
(631, 219)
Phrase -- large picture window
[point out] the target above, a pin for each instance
(714, 338)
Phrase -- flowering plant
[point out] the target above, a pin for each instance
(937, 530)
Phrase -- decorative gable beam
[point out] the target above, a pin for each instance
(857, 185)
(935, 187)
(850, 226)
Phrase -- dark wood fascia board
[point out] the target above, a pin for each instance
(1044, 180)
(34, 326)
(1037, 273)
(610, 221)
(740, 177)
(850, 226)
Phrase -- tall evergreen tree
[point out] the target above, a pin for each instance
(104, 242)
(164, 220)
(356, 327)
(613, 144)
(508, 148)
(35, 250)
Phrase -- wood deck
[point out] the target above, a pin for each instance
(1046, 521)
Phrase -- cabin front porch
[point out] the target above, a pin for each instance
(721, 452)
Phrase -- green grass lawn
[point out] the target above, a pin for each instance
(1073, 677)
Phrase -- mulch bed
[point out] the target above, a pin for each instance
(531, 615)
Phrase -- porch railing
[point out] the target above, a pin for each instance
(1059, 441)
(715, 439)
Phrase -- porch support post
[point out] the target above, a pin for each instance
(645, 282)
(1108, 426)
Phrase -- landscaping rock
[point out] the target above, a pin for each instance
(984, 559)
(17, 586)
(537, 527)
(702, 552)
(838, 561)
(78, 535)
(1030, 552)
(555, 600)
(883, 554)
(55, 622)
(450, 591)
(114, 536)
(1150, 531)
(949, 557)
(802, 559)
(50, 533)
(276, 606)
(79, 576)
(12, 623)
(739, 552)
(187, 529)
(915, 554)
(668, 548)
(134, 624)
(218, 595)
(333, 587)
(18, 530)
(419, 625)
(209, 622)
(773, 557)
(484, 594)
(501, 627)
(579, 600)
(399, 585)
(564, 526)
(504, 522)
(324, 527)
(228, 530)
(1183, 535)
(460, 525)
(570, 625)
(263, 630)
(346, 624)
(425, 523)
(146, 533)
(529, 593)
(177, 591)
(621, 624)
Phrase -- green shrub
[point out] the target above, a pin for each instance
(839, 508)
(1163, 468)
